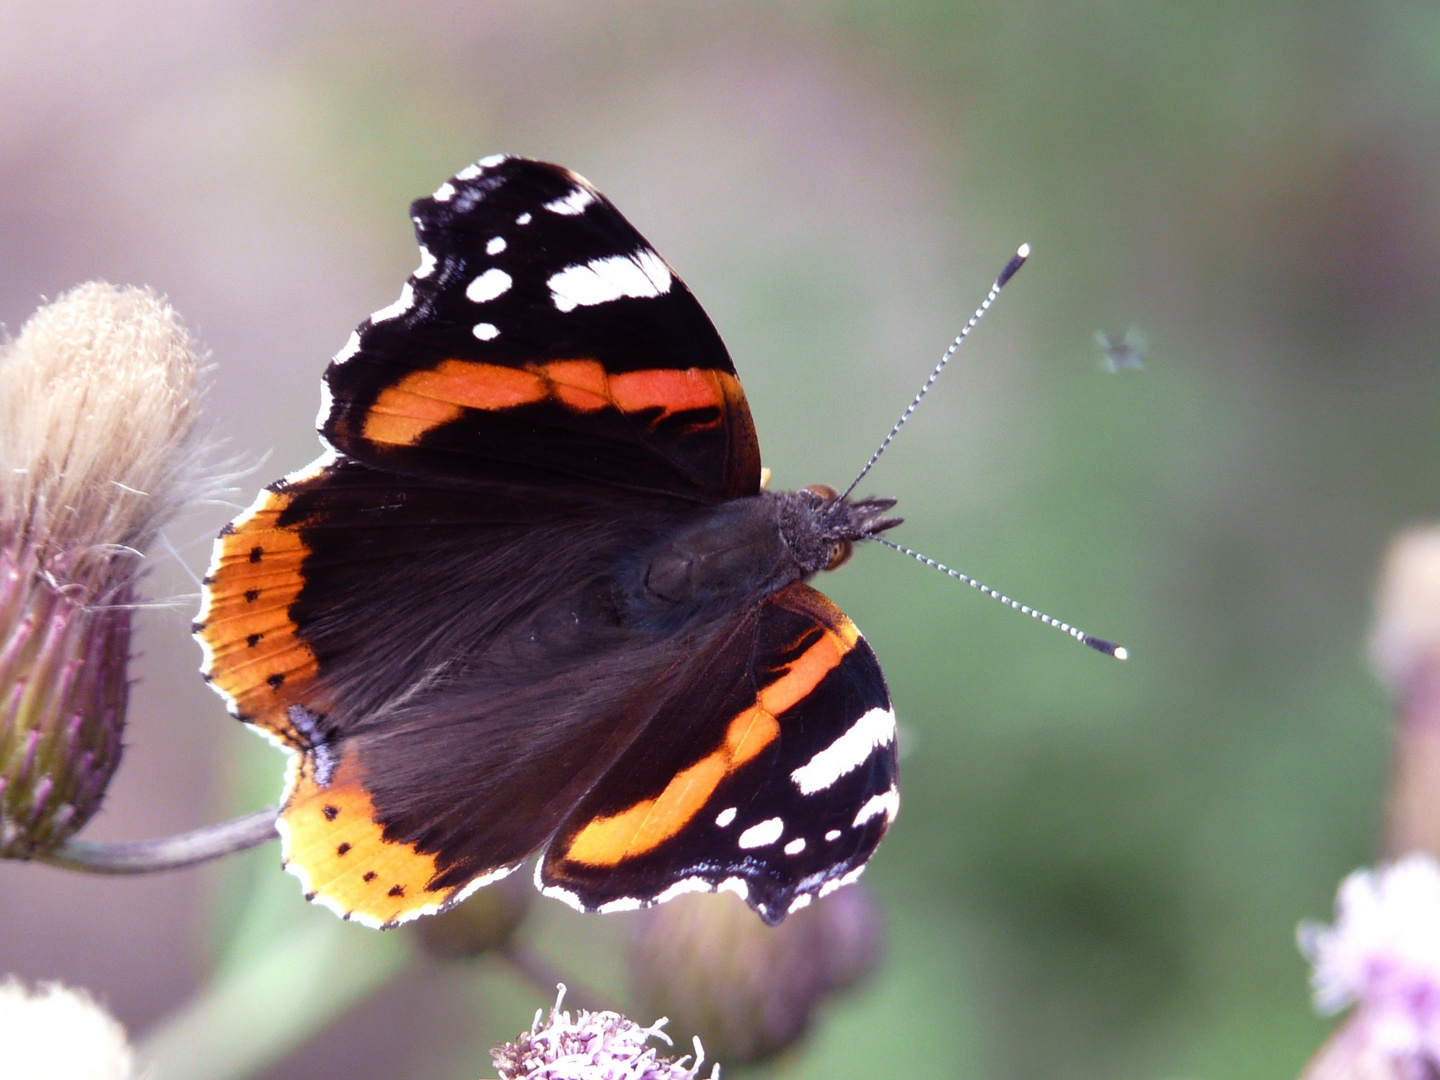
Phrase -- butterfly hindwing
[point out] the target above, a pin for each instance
(542, 337)
(771, 771)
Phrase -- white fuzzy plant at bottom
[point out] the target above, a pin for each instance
(1383, 955)
(55, 1033)
(592, 1046)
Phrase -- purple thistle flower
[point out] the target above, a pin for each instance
(1383, 956)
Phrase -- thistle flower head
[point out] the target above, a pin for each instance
(55, 1033)
(1406, 639)
(1383, 955)
(97, 407)
(592, 1046)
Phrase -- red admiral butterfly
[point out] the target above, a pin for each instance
(534, 596)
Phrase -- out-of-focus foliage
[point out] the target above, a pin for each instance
(1098, 868)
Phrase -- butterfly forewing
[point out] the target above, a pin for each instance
(542, 337)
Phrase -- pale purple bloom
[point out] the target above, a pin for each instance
(592, 1046)
(1383, 955)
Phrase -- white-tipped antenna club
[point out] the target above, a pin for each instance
(1109, 648)
(1016, 261)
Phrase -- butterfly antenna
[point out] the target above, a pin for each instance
(1109, 648)
(1016, 261)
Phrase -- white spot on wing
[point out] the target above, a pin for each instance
(599, 281)
(486, 331)
(736, 885)
(685, 885)
(872, 731)
(481, 881)
(352, 346)
(832, 836)
(801, 901)
(445, 192)
(887, 803)
(495, 246)
(523, 219)
(488, 286)
(427, 263)
(398, 308)
(327, 402)
(470, 172)
(555, 892)
(767, 832)
(725, 816)
(572, 203)
(840, 882)
(795, 847)
(624, 903)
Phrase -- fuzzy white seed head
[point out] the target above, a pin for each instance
(97, 406)
(55, 1033)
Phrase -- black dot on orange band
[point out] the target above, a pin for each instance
(330, 812)
(370, 875)
(253, 640)
(396, 890)
(251, 595)
(256, 552)
(275, 680)
(343, 848)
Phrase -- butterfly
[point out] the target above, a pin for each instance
(533, 596)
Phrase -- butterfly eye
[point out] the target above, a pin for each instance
(825, 491)
(840, 555)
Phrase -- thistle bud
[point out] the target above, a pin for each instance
(746, 989)
(488, 920)
(97, 406)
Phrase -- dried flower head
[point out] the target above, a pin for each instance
(97, 408)
(1383, 955)
(55, 1033)
(592, 1046)
(747, 989)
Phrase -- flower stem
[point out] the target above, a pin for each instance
(167, 853)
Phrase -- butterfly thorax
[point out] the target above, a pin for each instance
(732, 554)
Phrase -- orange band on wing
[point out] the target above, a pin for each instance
(255, 655)
(608, 841)
(340, 851)
(425, 400)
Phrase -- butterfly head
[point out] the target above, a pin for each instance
(821, 527)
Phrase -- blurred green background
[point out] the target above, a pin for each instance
(1099, 867)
